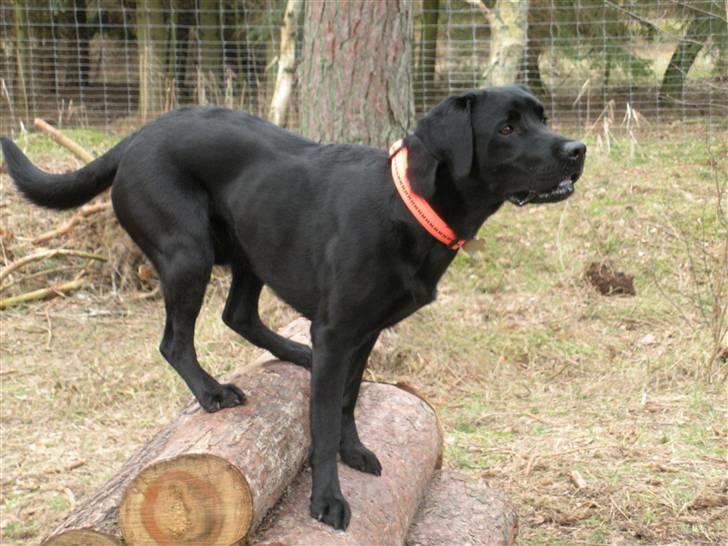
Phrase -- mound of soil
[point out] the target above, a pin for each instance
(608, 280)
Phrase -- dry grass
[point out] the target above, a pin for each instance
(537, 376)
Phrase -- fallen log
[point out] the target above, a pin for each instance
(459, 510)
(172, 489)
(403, 431)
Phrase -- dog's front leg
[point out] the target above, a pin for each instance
(352, 451)
(332, 354)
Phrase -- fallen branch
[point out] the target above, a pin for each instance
(83, 212)
(42, 294)
(45, 254)
(74, 147)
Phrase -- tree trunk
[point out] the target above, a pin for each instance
(151, 44)
(459, 510)
(206, 478)
(686, 51)
(403, 431)
(210, 52)
(508, 39)
(82, 40)
(427, 55)
(22, 61)
(530, 71)
(183, 23)
(356, 71)
(292, 19)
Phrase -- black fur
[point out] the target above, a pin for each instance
(322, 225)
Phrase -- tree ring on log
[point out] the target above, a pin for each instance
(81, 537)
(191, 499)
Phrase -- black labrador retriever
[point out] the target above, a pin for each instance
(323, 225)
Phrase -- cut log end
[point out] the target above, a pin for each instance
(189, 499)
(82, 537)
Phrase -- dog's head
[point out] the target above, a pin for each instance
(496, 145)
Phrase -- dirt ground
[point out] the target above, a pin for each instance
(540, 378)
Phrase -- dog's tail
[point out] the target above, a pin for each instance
(62, 191)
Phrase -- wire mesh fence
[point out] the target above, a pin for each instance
(105, 63)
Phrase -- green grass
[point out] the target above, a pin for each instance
(37, 143)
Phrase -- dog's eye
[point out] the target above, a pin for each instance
(506, 130)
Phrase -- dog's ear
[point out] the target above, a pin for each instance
(447, 132)
(421, 167)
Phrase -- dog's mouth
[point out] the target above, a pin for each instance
(558, 193)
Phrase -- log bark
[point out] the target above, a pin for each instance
(263, 444)
(459, 510)
(403, 431)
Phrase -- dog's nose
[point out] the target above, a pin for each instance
(574, 150)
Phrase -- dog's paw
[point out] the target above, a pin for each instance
(360, 458)
(332, 510)
(224, 396)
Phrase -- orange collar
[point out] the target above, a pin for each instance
(418, 205)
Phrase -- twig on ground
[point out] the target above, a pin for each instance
(577, 478)
(44, 273)
(45, 254)
(83, 212)
(42, 294)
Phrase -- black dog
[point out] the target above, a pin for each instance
(323, 226)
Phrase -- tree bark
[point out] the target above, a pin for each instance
(151, 44)
(403, 431)
(508, 39)
(172, 489)
(292, 19)
(458, 510)
(356, 83)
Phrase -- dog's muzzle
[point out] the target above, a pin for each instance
(562, 191)
(572, 153)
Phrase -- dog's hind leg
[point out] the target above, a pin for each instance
(173, 229)
(184, 277)
(352, 450)
(241, 314)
